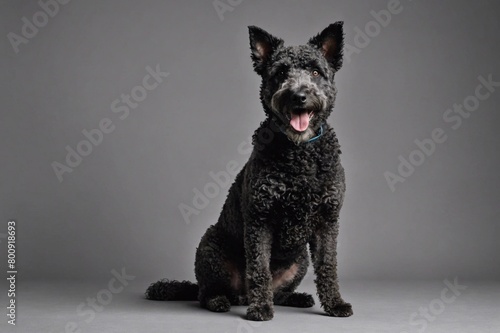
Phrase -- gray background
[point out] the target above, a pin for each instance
(119, 208)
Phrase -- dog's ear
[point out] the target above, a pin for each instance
(331, 43)
(262, 45)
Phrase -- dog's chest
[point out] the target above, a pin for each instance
(299, 192)
(291, 189)
(298, 201)
(297, 183)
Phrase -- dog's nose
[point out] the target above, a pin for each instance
(299, 97)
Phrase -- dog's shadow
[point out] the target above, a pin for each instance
(238, 311)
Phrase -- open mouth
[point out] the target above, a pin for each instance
(299, 119)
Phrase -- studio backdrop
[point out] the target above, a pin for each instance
(123, 124)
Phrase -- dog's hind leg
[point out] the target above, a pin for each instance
(286, 281)
(215, 275)
(298, 300)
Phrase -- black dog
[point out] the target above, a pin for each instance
(288, 194)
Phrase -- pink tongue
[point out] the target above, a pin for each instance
(300, 122)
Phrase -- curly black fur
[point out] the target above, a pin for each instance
(165, 290)
(287, 197)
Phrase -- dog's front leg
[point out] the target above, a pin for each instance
(324, 257)
(258, 241)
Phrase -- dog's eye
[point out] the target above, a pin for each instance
(315, 72)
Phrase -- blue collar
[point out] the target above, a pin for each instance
(317, 136)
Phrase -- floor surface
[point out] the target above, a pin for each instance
(379, 306)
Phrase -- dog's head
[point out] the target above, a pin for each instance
(298, 81)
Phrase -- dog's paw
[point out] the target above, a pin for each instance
(260, 312)
(339, 310)
(219, 304)
(303, 300)
(299, 300)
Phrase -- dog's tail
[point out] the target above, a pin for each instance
(165, 290)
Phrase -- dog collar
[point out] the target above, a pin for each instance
(282, 129)
(317, 136)
(311, 139)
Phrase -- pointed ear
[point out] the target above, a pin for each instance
(331, 43)
(262, 45)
